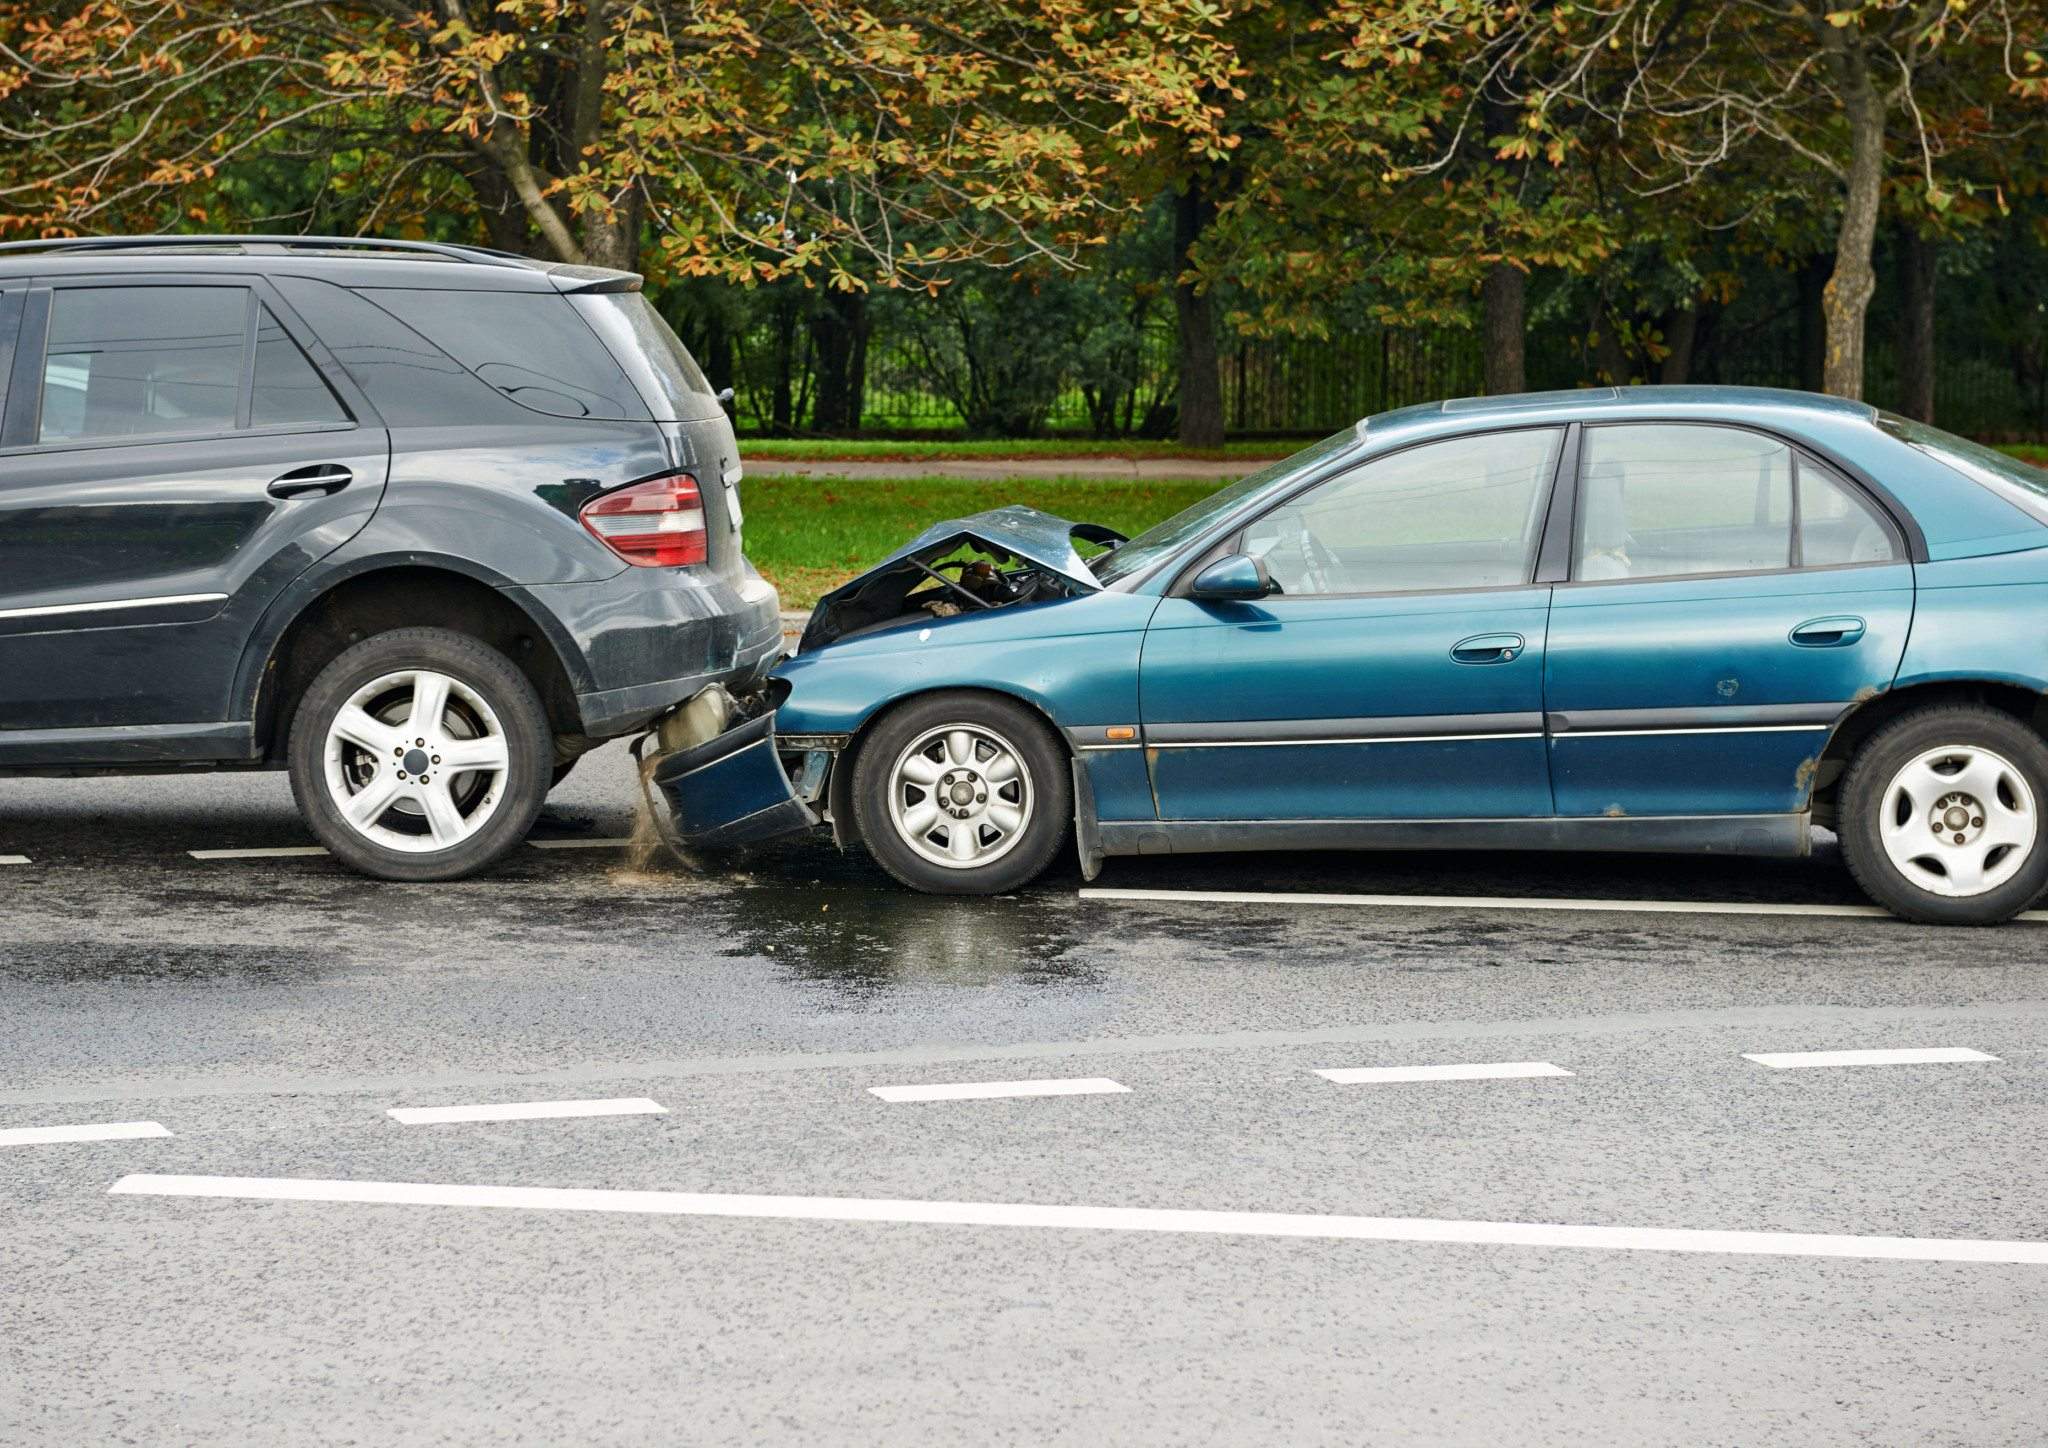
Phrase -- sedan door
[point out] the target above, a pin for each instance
(1396, 674)
(170, 459)
(1731, 596)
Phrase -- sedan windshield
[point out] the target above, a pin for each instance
(1163, 539)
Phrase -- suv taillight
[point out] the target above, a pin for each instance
(655, 524)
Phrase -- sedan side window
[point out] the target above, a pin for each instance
(1663, 500)
(1462, 513)
(1837, 524)
(126, 362)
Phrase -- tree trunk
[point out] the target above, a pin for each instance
(839, 329)
(1681, 332)
(1502, 298)
(1916, 323)
(1846, 299)
(614, 241)
(1812, 280)
(1201, 385)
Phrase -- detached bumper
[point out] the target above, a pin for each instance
(733, 790)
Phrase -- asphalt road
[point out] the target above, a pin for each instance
(1231, 1249)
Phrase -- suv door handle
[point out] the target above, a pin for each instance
(1489, 648)
(320, 480)
(1828, 633)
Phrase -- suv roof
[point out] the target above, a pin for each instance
(356, 260)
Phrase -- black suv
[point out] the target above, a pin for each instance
(418, 523)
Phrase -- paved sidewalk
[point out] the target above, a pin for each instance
(1221, 470)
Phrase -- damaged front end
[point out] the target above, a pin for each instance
(720, 774)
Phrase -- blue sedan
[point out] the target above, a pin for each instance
(1656, 618)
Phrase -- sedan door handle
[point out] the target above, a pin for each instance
(1489, 648)
(1828, 633)
(320, 480)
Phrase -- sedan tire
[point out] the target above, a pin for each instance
(1941, 816)
(963, 794)
(420, 754)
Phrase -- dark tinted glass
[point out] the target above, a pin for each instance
(142, 361)
(288, 387)
(529, 346)
(409, 381)
(10, 330)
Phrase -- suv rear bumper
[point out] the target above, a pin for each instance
(651, 638)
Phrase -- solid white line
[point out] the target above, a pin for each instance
(1102, 1219)
(13, 859)
(1505, 902)
(1498, 1070)
(1929, 1056)
(981, 1090)
(607, 844)
(526, 1110)
(275, 852)
(108, 1131)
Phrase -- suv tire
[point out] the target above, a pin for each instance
(378, 741)
(963, 794)
(1941, 816)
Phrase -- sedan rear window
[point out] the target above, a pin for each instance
(2026, 488)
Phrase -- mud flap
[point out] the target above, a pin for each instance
(731, 791)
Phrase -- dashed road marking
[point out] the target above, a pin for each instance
(1494, 1071)
(103, 1131)
(982, 1090)
(274, 852)
(1507, 902)
(603, 844)
(1926, 1056)
(13, 859)
(1101, 1219)
(527, 1110)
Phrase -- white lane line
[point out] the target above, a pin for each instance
(1506, 902)
(13, 859)
(1101, 1219)
(1928, 1056)
(604, 844)
(275, 852)
(527, 1110)
(105, 1131)
(1495, 1071)
(981, 1090)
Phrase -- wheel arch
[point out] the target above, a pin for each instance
(2027, 704)
(379, 595)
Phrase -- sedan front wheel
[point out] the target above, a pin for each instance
(962, 794)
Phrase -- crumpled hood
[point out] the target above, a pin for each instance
(1016, 532)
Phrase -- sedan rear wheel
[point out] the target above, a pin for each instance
(962, 794)
(1941, 816)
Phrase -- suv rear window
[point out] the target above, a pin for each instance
(530, 346)
(646, 346)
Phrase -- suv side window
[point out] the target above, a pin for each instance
(530, 346)
(128, 362)
(288, 387)
(10, 330)
(1461, 513)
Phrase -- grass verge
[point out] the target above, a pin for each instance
(764, 449)
(809, 535)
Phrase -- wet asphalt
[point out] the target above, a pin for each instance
(268, 1013)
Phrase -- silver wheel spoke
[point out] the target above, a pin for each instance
(367, 806)
(1965, 867)
(359, 728)
(920, 770)
(1005, 816)
(1002, 769)
(488, 753)
(962, 840)
(443, 818)
(429, 704)
(919, 818)
(959, 747)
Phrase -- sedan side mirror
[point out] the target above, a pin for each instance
(1238, 577)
